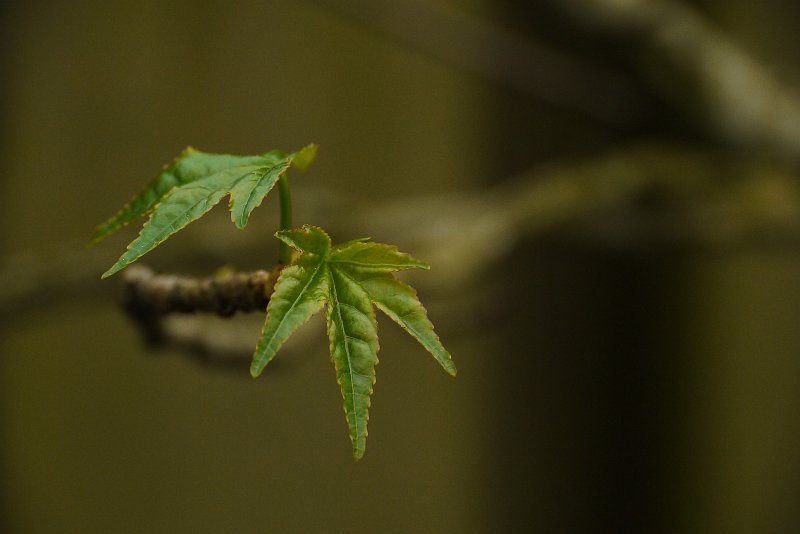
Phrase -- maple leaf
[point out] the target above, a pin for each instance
(193, 184)
(349, 278)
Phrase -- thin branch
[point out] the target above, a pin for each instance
(150, 296)
(285, 191)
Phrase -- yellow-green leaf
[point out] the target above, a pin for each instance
(191, 186)
(373, 256)
(190, 166)
(299, 293)
(350, 278)
(308, 239)
(400, 303)
(353, 336)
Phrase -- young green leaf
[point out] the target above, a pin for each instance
(349, 278)
(190, 166)
(192, 185)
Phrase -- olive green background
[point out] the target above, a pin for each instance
(600, 388)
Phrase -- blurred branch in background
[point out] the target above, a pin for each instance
(685, 59)
(218, 345)
(651, 192)
(701, 70)
(643, 193)
(639, 193)
(502, 56)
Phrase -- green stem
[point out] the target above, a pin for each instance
(285, 251)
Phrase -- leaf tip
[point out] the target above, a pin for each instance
(307, 239)
(305, 156)
(239, 222)
(101, 232)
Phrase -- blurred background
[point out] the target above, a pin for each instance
(607, 191)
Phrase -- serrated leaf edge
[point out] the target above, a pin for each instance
(119, 265)
(257, 367)
(333, 306)
(285, 162)
(359, 442)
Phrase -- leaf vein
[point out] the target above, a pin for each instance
(294, 303)
(335, 295)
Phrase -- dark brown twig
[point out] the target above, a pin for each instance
(149, 296)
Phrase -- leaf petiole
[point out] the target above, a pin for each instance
(285, 251)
